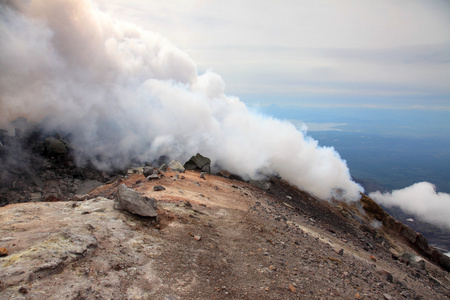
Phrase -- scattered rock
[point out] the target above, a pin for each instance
(152, 176)
(163, 168)
(387, 276)
(406, 258)
(130, 201)
(158, 188)
(340, 251)
(147, 171)
(202, 175)
(176, 166)
(373, 258)
(292, 288)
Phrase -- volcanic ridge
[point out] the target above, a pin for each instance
(167, 230)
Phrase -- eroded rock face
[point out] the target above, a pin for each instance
(130, 201)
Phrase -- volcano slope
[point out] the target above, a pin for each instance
(215, 238)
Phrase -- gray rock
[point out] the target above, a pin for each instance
(176, 166)
(130, 201)
(148, 171)
(152, 176)
(419, 264)
(198, 162)
(163, 168)
(55, 146)
(158, 188)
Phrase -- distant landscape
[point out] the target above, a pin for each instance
(395, 148)
(393, 161)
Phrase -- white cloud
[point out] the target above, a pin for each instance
(312, 43)
(123, 92)
(420, 199)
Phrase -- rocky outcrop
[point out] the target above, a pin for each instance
(415, 239)
(198, 162)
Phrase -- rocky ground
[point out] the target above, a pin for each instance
(215, 238)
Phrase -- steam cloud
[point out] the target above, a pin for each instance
(124, 93)
(420, 199)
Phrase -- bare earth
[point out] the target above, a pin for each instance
(215, 239)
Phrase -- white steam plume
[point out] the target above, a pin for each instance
(123, 92)
(420, 199)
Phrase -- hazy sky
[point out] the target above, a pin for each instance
(358, 53)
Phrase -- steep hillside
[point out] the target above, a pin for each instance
(214, 238)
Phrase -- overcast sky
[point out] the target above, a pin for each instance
(324, 53)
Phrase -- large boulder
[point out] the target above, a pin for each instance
(130, 201)
(198, 162)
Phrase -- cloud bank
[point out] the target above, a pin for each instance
(420, 199)
(124, 93)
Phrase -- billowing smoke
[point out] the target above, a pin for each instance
(124, 93)
(420, 199)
